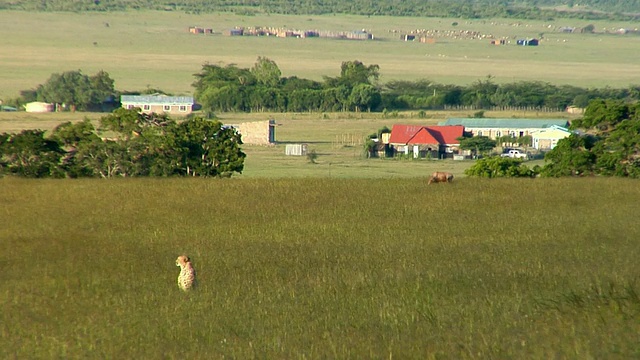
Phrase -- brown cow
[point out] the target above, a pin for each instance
(441, 177)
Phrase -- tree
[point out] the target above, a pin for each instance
(480, 93)
(72, 138)
(477, 144)
(603, 114)
(30, 154)
(572, 156)
(619, 152)
(364, 97)
(266, 72)
(612, 148)
(207, 148)
(77, 90)
(353, 73)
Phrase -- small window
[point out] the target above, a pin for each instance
(479, 132)
(498, 134)
(182, 108)
(146, 107)
(166, 108)
(130, 107)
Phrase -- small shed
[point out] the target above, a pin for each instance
(295, 149)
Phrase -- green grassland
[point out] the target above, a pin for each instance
(320, 268)
(348, 258)
(154, 49)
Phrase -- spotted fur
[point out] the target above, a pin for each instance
(187, 277)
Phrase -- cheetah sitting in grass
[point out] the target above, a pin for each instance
(187, 277)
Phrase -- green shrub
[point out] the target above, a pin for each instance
(493, 167)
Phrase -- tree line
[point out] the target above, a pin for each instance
(260, 88)
(526, 9)
(141, 145)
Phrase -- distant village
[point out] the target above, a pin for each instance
(427, 36)
(287, 33)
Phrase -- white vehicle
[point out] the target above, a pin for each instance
(514, 153)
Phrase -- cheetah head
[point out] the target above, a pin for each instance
(182, 260)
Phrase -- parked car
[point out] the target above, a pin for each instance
(514, 153)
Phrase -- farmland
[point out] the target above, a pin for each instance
(154, 49)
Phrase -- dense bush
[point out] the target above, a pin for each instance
(494, 167)
(146, 145)
(609, 146)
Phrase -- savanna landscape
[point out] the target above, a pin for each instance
(342, 257)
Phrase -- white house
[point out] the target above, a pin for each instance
(496, 128)
(174, 105)
(547, 139)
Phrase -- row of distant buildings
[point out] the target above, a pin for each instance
(287, 33)
(441, 141)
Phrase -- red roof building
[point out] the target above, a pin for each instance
(440, 141)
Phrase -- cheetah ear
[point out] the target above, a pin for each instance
(186, 259)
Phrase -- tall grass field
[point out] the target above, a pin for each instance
(318, 268)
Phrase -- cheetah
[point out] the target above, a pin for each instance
(187, 277)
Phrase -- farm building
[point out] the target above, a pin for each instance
(547, 139)
(257, 132)
(426, 141)
(174, 105)
(496, 128)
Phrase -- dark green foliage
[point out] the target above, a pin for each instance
(602, 114)
(571, 157)
(206, 148)
(494, 167)
(477, 144)
(612, 148)
(144, 145)
(228, 88)
(30, 154)
(76, 90)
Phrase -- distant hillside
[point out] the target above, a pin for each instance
(527, 9)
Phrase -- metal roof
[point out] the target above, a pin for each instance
(506, 123)
(417, 134)
(157, 99)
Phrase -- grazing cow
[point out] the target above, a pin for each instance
(441, 177)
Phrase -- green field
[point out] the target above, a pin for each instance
(154, 49)
(348, 258)
(320, 268)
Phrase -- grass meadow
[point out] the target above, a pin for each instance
(349, 258)
(154, 49)
(319, 268)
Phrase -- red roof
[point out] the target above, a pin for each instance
(416, 134)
